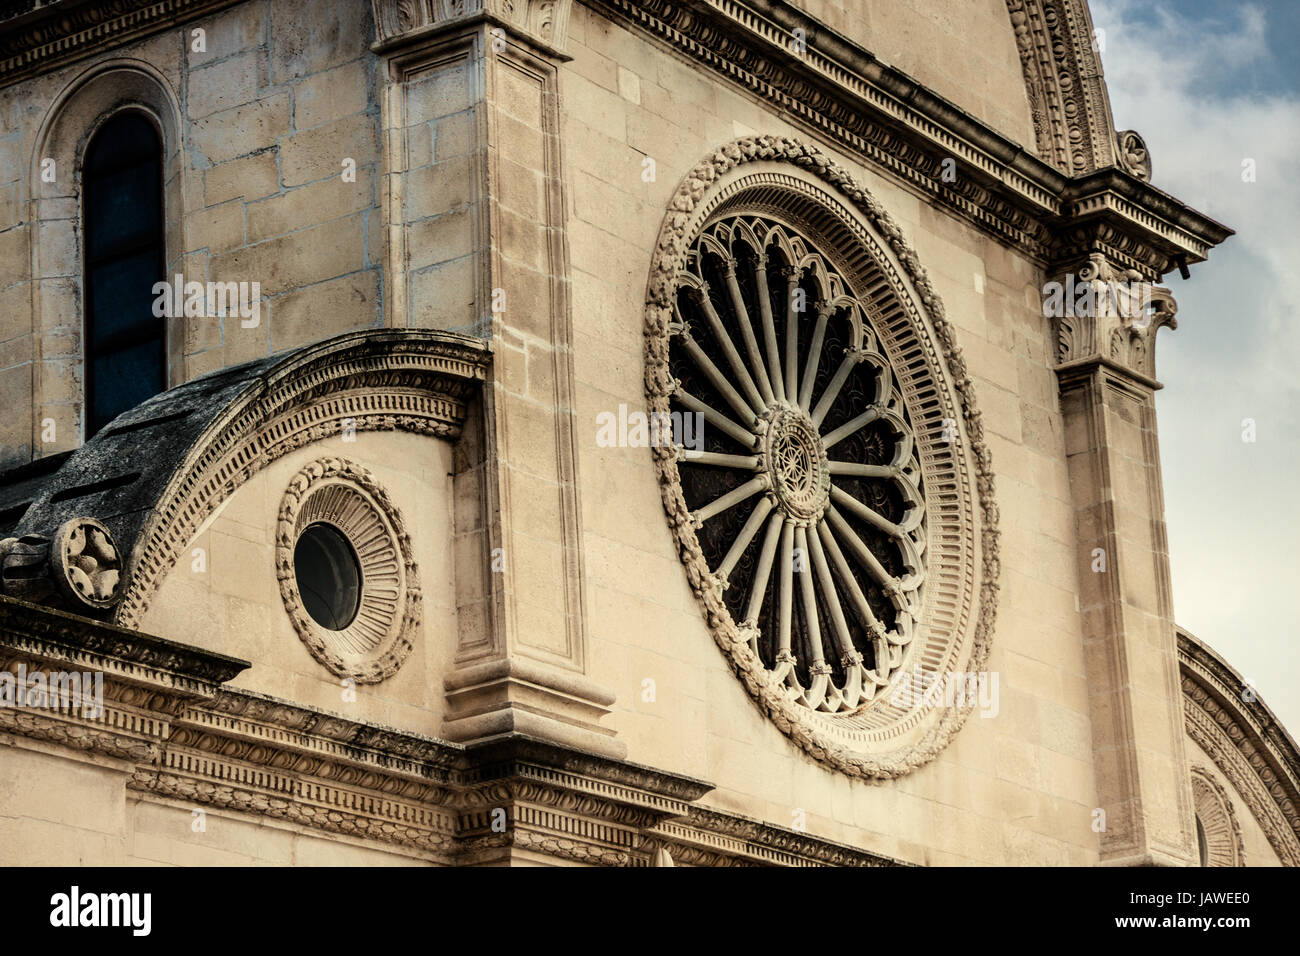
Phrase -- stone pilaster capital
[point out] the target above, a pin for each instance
(1104, 313)
(544, 23)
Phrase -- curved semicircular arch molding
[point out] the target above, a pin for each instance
(806, 211)
(381, 380)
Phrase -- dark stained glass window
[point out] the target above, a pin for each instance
(124, 345)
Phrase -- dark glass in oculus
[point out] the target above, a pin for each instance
(328, 575)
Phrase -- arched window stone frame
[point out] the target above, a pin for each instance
(57, 253)
(906, 724)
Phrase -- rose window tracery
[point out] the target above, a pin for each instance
(803, 485)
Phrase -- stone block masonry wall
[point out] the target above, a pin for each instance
(285, 94)
(964, 52)
(262, 119)
(1017, 788)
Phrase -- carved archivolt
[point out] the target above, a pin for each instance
(380, 635)
(1063, 79)
(880, 383)
(1245, 741)
(408, 381)
(1218, 822)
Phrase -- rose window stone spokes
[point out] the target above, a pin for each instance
(805, 491)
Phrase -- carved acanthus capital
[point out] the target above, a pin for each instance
(543, 22)
(1102, 313)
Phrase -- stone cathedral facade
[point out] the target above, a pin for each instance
(616, 432)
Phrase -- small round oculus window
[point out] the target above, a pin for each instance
(328, 575)
(347, 575)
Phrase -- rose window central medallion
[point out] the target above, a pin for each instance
(796, 462)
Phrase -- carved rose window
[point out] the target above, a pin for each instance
(803, 484)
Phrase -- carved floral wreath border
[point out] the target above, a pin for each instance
(400, 629)
(669, 258)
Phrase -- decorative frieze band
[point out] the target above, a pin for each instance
(436, 801)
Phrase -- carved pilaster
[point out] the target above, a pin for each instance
(483, 74)
(1105, 320)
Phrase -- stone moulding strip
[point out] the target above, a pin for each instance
(840, 90)
(386, 380)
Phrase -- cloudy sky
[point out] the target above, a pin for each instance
(1210, 85)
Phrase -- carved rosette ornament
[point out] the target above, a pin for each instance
(837, 444)
(1133, 154)
(380, 635)
(79, 566)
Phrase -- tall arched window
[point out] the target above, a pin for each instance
(126, 359)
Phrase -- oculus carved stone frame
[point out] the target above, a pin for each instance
(833, 506)
(377, 637)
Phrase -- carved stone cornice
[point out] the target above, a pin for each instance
(81, 644)
(840, 91)
(708, 837)
(1246, 741)
(544, 23)
(37, 36)
(1134, 224)
(118, 691)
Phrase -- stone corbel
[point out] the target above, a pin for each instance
(544, 23)
(1108, 315)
